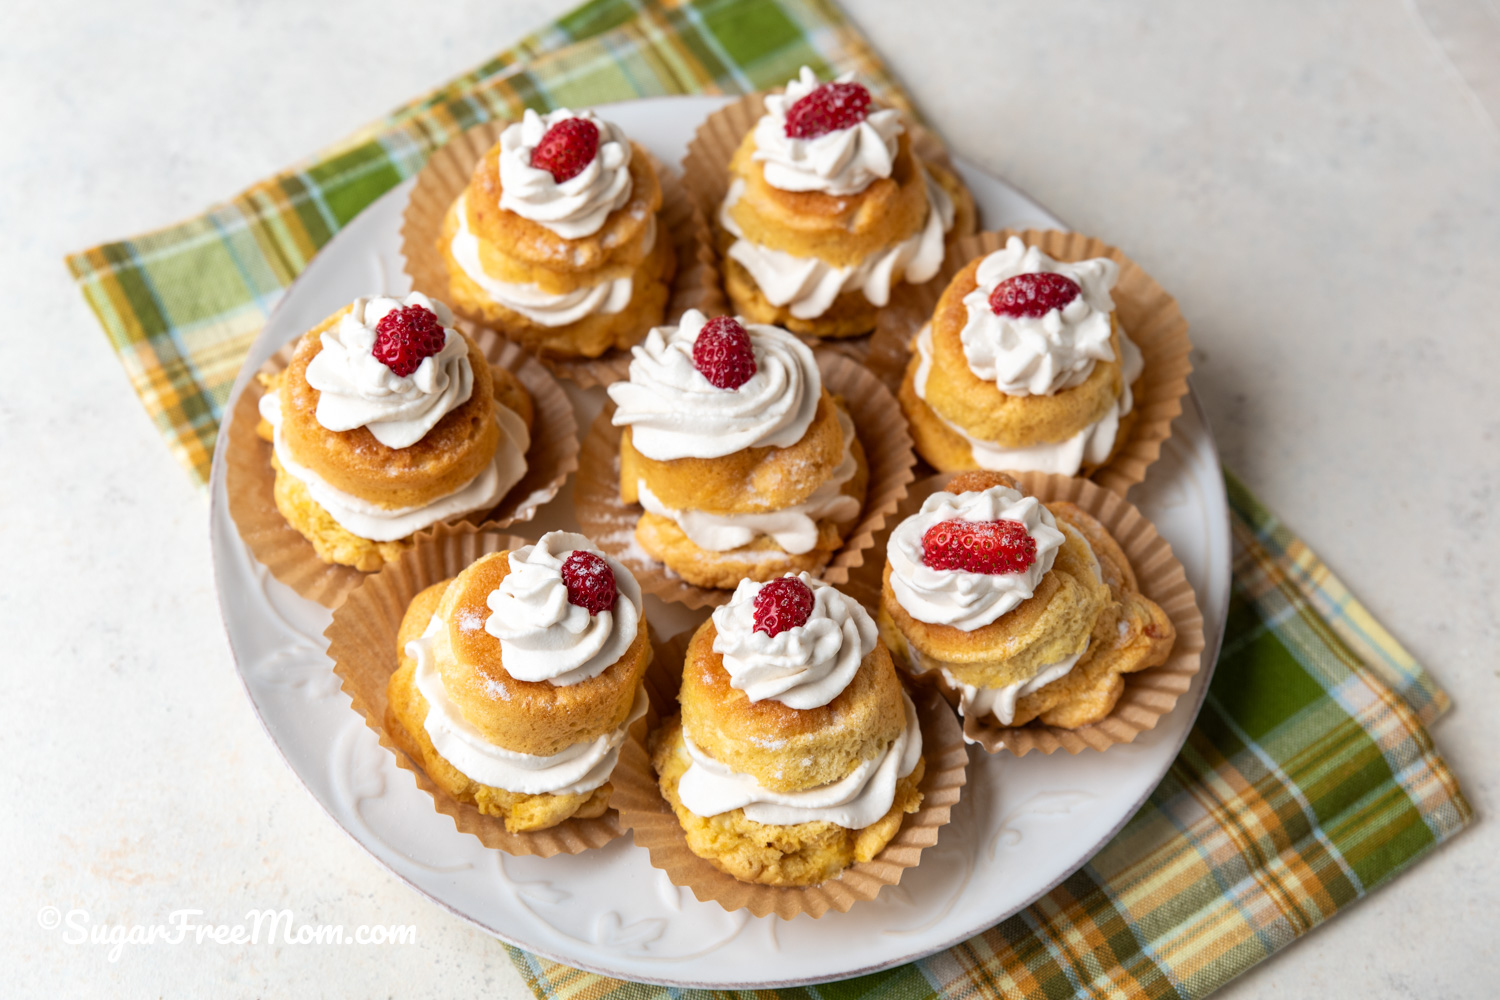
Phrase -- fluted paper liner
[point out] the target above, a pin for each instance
(695, 284)
(249, 479)
(1149, 316)
(706, 174)
(878, 423)
(651, 821)
(362, 645)
(1149, 694)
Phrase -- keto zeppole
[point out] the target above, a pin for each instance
(1016, 609)
(745, 466)
(555, 242)
(387, 421)
(519, 678)
(829, 207)
(1024, 367)
(797, 751)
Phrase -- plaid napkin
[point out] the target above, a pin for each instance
(1307, 781)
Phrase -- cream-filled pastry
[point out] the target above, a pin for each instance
(1018, 610)
(519, 678)
(556, 242)
(745, 466)
(797, 752)
(829, 207)
(1023, 367)
(387, 421)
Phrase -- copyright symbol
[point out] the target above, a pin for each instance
(50, 917)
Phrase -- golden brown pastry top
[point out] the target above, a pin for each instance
(1051, 625)
(751, 480)
(841, 229)
(788, 749)
(539, 718)
(982, 410)
(620, 242)
(451, 454)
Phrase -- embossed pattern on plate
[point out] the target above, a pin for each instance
(1021, 828)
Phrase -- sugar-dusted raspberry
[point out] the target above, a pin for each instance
(782, 604)
(829, 108)
(405, 337)
(590, 582)
(979, 546)
(567, 148)
(723, 354)
(1033, 294)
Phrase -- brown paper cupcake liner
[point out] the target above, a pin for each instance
(651, 821)
(1149, 694)
(362, 645)
(706, 174)
(1148, 314)
(881, 429)
(695, 284)
(249, 479)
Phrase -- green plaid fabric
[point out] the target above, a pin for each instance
(1308, 780)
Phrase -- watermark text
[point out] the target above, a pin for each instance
(256, 928)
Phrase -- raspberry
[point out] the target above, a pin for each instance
(567, 148)
(829, 108)
(590, 582)
(782, 604)
(406, 336)
(722, 353)
(979, 546)
(1033, 294)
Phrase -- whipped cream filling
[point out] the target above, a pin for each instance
(708, 787)
(963, 600)
(1039, 355)
(1000, 702)
(387, 524)
(578, 206)
(675, 412)
(573, 770)
(357, 390)
(545, 308)
(542, 636)
(803, 667)
(840, 162)
(808, 286)
(1093, 444)
(794, 529)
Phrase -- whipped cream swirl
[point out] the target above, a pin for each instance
(675, 412)
(803, 667)
(573, 770)
(808, 286)
(357, 390)
(545, 638)
(840, 162)
(387, 524)
(1039, 355)
(1093, 444)
(529, 300)
(794, 529)
(578, 206)
(854, 802)
(967, 601)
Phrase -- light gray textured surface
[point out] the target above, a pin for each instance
(1314, 182)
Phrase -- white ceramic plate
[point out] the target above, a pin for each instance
(1022, 827)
